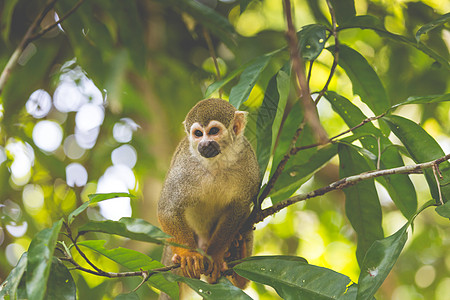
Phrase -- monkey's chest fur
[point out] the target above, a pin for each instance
(217, 196)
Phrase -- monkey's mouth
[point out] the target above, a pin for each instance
(209, 149)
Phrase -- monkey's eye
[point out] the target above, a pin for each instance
(198, 133)
(213, 130)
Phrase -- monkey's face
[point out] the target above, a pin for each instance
(209, 140)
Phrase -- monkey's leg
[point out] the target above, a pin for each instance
(241, 248)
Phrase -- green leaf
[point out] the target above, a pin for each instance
(221, 290)
(240, 92)
(219, 84)
(424, 100)
(344, 10)
(374, 23)
(289, 127)
(6, 17)
(9, 287)
(135, 229)
(95, 198)
(379, 260)
(270, 115)
(40, 255)
(427, 27)
(295, 175)
(311, 39)
(60, 282)
(129, 296)
(89, 37)
(381, 257)
(364, 79)
(134, 261)
(126, 13)
(399, 186)
(207, 16)
(422, 148)
(444, 210)
(362, 206)
(243, 5)
(293, 278)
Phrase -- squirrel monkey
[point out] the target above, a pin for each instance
(208, 192)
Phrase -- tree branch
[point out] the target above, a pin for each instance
(371, 119)
(346, 182)
(29, 37)
(281, 164)
(50, 27)
(212, 53)
(336, 52)
(311, 116)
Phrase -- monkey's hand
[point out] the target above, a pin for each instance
(191, 263)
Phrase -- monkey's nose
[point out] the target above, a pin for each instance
(209, 149)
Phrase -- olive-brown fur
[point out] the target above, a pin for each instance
(210, 109)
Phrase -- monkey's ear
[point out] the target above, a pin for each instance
(184, 126)
(240, 120)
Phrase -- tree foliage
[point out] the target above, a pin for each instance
(373, 77)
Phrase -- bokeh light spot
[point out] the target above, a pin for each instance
(86, 139)
(116, 179)
(425, 276)
(124, 155)
(33, 197)
(12, 210)
(89, 117)
(67, 97)
(17, 230)
(39, 104)
(72, 149)
(47, 135)
(76, 175)
(123, 130)
(13, 252)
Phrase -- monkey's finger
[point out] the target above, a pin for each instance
(197, 267)
(210, 267)
(189, 268)
(215, 273)
(183, 267)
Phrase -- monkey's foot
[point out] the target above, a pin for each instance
(191, 263)
(216, 267)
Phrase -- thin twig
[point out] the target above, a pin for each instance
(29, 37)
(379, 153)
(435, 172)
(346, 182)
(271, 183)
(371, 119)
(311, 115)
(335, 54)
(311, 63)
(69, 231)
(304, 93)
(212, 53)
(50, 27)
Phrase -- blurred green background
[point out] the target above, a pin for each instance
(96, 105)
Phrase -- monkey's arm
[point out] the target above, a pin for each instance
(191, 262)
